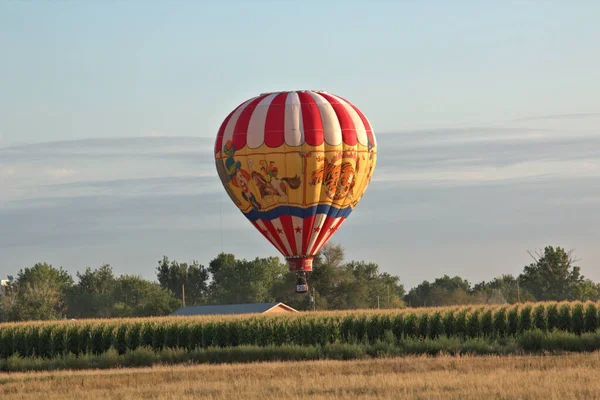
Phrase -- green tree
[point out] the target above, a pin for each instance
(443, 291)
(92, 296)
(38, 293)
(587, 290)
(236, 281)
(137, 297)
(553, 275)
(191, 278)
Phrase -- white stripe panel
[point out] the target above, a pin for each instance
(256, 125)
(228, 134)
(282, 236)
(319, 221)
(298, 223)
(328, 234)
(293, 126)
(361, 132)
(268, 233)
(332, 131)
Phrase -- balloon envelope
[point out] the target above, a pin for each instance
(296, 163)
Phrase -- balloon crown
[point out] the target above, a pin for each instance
(294, 91)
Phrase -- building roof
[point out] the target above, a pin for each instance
(230, 309)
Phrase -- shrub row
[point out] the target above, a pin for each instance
(98, 337)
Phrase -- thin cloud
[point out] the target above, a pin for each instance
(162, 134)
(7, 171)
(59, 172)
(561, 116)
(583, 168)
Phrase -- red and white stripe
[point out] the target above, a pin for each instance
(293, 237)
(295, 118)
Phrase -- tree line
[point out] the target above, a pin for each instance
(44, 292)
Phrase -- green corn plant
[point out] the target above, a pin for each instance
(525, 322)
(147, 337)
(590, 321)
(552, 316)
(59, 341)
(134, 336)
(121, 338)
(46, 341)
(564, 318)
(158, 337)
(539, 318)
(513, 321)
(20, 342)
(346, 328)
(500, 323)
(448, 322)
(487, 323)
(474, 324)
(108, 337)
(423, 326)
(172, 335)
(398, 326)
(373, 332)
(410, 326)
(32, 341)
(183, 339)
(436, 327)
(334, 329)
(196, 336)
(73, 340)
(577, 318)
(460, 324)
(6, 342)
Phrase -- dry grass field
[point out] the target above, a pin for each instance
(575, 376)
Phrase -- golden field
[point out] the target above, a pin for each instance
(575, 376)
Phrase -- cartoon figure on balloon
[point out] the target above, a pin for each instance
(241, 178)
(269, 184)
(231, 171)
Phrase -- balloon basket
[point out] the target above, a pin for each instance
(301, 282)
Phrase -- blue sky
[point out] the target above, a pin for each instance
(486, 114)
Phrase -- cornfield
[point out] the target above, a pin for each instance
(49, 339)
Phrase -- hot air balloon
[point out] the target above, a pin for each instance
(296, 163)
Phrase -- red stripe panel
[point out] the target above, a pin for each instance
(288, 227)
(240, 130)
(275, 234)
(306, 232)
(322, 233)
(219, 141)
(368, 126)
(275, 123)
(331, 232)
(346, 123)
(261, 231)
(311, 119)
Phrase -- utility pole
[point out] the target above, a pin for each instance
(183, 293)
(518, 292)
(314, 300)
(378, 301)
